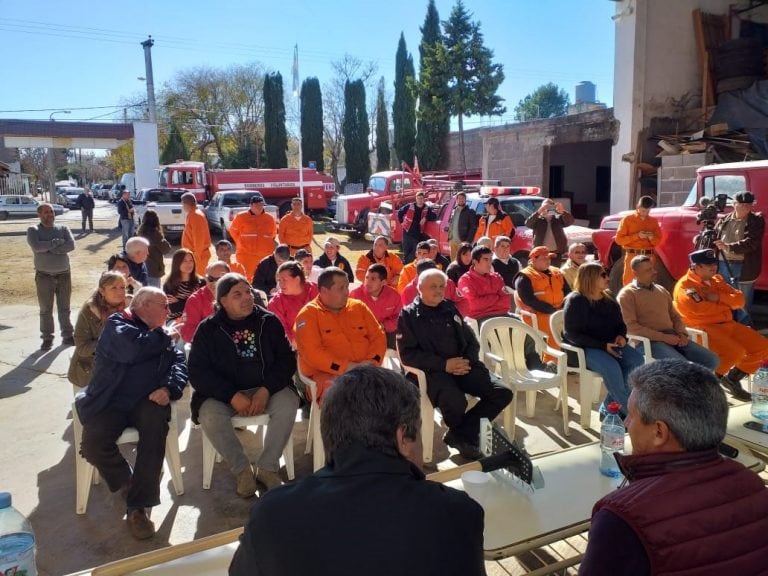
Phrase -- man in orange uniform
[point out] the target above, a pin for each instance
(541, 289)
(296, 228)
(380, 255)
(706, 301)
(254, 233)
(409, 270)
(495, 222)
(335, 333)
(224, 253)
(638, 233)
(197, 236)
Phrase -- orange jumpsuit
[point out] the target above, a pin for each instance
(501, 226)
(406, 275)
(549, 289)
(235, 266)
(255, 238)
(627, 237)
(327, 341)
(197, 238)
(391, 261)
(296, 232)
(736, 345)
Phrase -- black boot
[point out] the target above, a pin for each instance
(733, 385)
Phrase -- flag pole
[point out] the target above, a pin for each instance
(297, 94)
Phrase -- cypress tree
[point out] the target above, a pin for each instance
(404, 106)
(356, 132)
(275, 135)
(175, 148)
(382, 130)
(312, 123)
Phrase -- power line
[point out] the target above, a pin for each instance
(74, 108)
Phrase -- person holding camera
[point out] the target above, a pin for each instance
(547, 224)
(740, 242)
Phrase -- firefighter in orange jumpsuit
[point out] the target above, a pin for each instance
(334, 333)
(380, 255)
(706, 301)
(254, 233)
(296, 228)
(495, 222)
(196, 236)
(638, 233)
(408, 273)
(224, 254)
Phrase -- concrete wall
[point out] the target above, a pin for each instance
(676, 176)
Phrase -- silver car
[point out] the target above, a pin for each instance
(19, 206)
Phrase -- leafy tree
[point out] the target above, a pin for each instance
(356, 133)
(312, 123)
(547, 101)
(433, 115)
(275, 135)
(174, 148)
(382, 129)
(246, 154)
(473, 78)
(120, 159)
(404, 107)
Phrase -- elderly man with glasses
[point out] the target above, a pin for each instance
(577, 255)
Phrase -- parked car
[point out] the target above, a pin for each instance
(167, 203)
(69, 197)
(101, 191)
(14, 206)
(114, 193)
(225, 205)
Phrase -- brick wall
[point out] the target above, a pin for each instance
(676, 176)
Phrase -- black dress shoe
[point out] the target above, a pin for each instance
(68, 341)
(47, 344)
(467, 450)
(735, 389)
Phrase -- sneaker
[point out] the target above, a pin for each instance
(269, 479)
(140, 525)
(47, 344)
(68, 341)
(735, 389)
(466, 450)
(246, 485)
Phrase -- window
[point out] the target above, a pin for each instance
(377, 184)
(164, 177)
(11, 200)
(237, 200)
(394, 185)
(165, 196)
(729, 184)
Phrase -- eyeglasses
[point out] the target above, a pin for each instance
(212, 278)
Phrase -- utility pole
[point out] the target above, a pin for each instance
(147, 44)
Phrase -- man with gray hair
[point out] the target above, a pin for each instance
(51, 245)
(686, 509)
(432, 336)
(371, 432)
(136, 254)
(136, 374)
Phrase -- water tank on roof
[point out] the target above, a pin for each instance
(585, 92)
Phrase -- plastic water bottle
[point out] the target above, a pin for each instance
(17, 541)
(611, 440)
(760, 393)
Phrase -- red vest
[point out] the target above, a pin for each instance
(696, 513)
(408, 217)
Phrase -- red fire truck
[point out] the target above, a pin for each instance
(277, 186)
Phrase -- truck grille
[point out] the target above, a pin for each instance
(341, 209)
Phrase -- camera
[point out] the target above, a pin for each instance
(710, 209)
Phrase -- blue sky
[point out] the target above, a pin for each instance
(77, 54)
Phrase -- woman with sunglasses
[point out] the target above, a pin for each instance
(592, 320)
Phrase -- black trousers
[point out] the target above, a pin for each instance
(447, 393)
(409, 246)
(87, 214)
(100, 449)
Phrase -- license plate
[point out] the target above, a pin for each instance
(175, 228)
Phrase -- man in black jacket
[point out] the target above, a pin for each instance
(463, 224)
(371, 510)
(265, 277)
(332, 257)
(241, 364)
(432, 336)
(86, 203)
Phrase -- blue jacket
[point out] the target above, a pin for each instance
(132, 361)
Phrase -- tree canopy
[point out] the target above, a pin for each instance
(547, 101)
(356, 133)
(382, 129)
(275, 135)
(175, 148)
(404, 106)
(312, 123)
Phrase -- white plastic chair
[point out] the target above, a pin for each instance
(86, 474)
(645, 342)
(502, 342)
(314, 437)
(426, 408)
(473, 324)
(210, 455)
(589, 382)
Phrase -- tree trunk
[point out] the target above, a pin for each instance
(461, 143)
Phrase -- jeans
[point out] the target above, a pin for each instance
(126, 225)
(87, 214)
(48, 286)
(215, 419)
(100, 449)
(748, 288)
(691, 352)
(615, 372)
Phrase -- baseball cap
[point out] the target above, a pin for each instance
(539, 251)
(744, 198)
(706, 256)
(256, 198)
(332, 241)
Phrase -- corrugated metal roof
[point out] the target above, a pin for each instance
(59, 129)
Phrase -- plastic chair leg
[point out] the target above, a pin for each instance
(209, 457)
(427, 429)
(530, 403)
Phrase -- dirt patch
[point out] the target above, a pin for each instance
(17, 274)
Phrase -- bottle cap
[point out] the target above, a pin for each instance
(614, 407)
(5, 500)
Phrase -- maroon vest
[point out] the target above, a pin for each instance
(408, 217)
(696, 513)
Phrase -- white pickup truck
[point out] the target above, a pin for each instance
(167, 203)
(224, 206)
